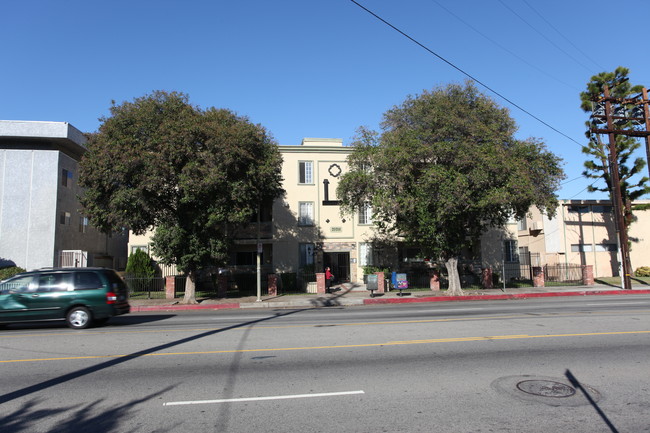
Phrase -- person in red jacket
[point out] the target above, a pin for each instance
(329, 277)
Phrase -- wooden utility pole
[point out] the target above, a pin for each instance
(646, 116)
(612, 132)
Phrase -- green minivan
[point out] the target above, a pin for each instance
(81, 296)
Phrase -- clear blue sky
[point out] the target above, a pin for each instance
(310, 68)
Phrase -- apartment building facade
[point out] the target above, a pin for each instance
(583, 232)
(40, 222)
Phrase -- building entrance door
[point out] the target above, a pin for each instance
(339, 264)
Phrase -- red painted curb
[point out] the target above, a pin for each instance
(374, 301)
(140, 308)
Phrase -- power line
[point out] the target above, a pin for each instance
(464, 73)
(545, 37)
(562, 35)
(512, 53)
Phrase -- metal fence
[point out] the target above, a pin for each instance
(152, 288)
(563, 274)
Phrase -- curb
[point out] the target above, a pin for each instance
(333, 302)
(503, 297)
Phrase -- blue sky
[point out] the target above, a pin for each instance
(310, 68)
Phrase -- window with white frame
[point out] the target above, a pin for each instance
(83, 224)
(306, 213)
(135, 248)
(365, 254)
(306, 172)
(521, 224)
(606, 247)
(510, 253)
(365, 214)
(306, 254)
(581, 248)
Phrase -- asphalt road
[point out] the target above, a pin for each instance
(552, 364)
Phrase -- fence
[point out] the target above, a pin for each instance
(152, 288)
(563, 274)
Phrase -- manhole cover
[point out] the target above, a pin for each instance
(546, 388)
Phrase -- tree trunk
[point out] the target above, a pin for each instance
(190, 289)
(454, 279)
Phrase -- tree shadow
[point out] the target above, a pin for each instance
(90, 417)
(4, 398)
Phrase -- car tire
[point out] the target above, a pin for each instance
(79, 318)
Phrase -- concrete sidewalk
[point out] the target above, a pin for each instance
(349, 295)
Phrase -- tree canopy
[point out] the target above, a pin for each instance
(192, 174)
(446, 168)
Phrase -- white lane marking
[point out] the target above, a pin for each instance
(275, 397)
(607, 304)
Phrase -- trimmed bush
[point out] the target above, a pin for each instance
(10, 272)
(140, 265)
(643, 271)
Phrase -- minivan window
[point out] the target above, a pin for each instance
(87, 281)
(54, 282)
(116, 283)
(18, 285)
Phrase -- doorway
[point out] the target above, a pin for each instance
(339, 264)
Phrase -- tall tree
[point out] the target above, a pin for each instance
(191, 174)
(632, 186)
(446, 168)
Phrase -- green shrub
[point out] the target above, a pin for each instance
(140, 265)
(139, 271)
(10, 272)
(643, 271)
(368, 270)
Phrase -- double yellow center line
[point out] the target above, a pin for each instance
(345, 346)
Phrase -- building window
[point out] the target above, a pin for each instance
(606, 247)
(365, 254)
(581, 248)
(306, 213)
(524, 255)
(365, 214)
(578, 209)
(64, 218)
(306, 255)
(135, 248)
(245, 258)
(599, 208)
(510, 251)
(66, 178)
(306, 169)
(83, 224)
(522, 225)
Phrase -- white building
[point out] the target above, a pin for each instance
(40, 223)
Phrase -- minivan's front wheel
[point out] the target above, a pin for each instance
(79, 318)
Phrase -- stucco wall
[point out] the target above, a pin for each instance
(28, 203)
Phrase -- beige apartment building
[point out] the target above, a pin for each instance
(582, 232)
(305, 230)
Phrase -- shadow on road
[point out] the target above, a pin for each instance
(125, 358)
(89, 417)
(574, 381)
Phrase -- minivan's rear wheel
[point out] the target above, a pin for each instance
(79, 318)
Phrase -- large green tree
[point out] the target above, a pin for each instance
(632, 184)
(445, 169)
(191, 174)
